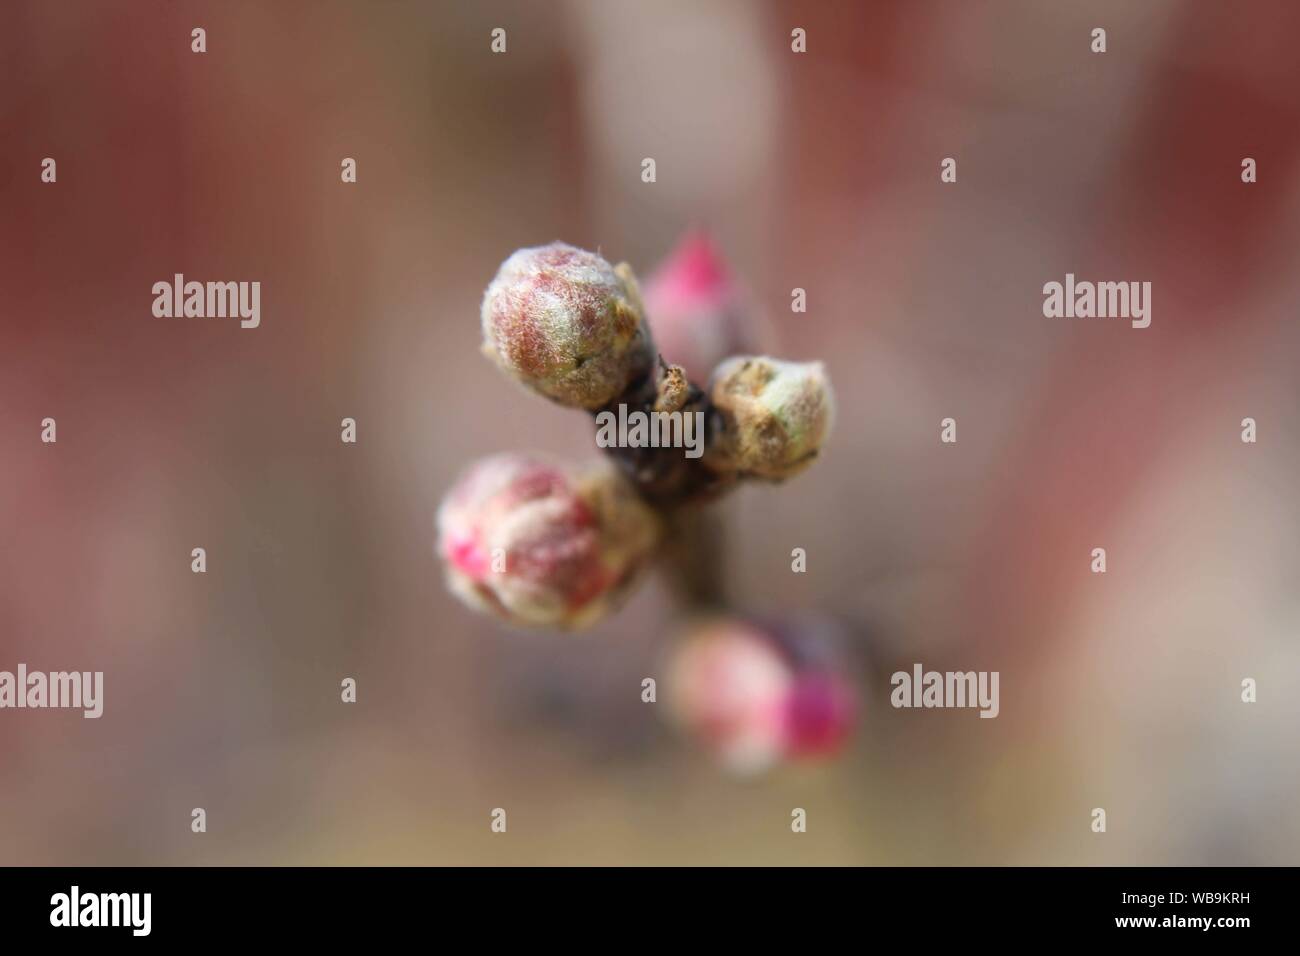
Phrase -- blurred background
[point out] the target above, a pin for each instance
(816, 170)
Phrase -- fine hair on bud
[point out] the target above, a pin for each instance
(567, 324)
(771, 417)
(540, 544)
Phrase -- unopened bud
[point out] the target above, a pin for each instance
(820, 713)
(772, 416)
(541, 545)
(696, 310)
(757, 693)
(567, 324)
(729, 690)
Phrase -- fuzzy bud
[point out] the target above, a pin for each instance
(772, 416)
(567, 324)
(541, 545)
(696, 309)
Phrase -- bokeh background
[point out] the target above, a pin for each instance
(819, 171)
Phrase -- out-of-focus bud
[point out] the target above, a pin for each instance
(567, 324)
(757, 693)
(820, 711)
(729, 688)
(541, 545)
(697, 312)
(772, 416)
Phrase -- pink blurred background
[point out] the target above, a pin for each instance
(816, 170)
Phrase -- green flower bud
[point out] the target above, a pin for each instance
(771, 417)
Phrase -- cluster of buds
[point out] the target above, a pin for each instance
(543, 545)
(753, 696)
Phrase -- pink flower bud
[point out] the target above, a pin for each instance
(729, 687)
(696, 310)
(540, 545)
(820, 711)
(773, 416)
(567, 324)
(755, 694)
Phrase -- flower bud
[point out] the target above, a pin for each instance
(819, 714)
(758, 693)
(696, 310)
(772, 417)
(541, 545)
(567, 324)
(729, 688)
